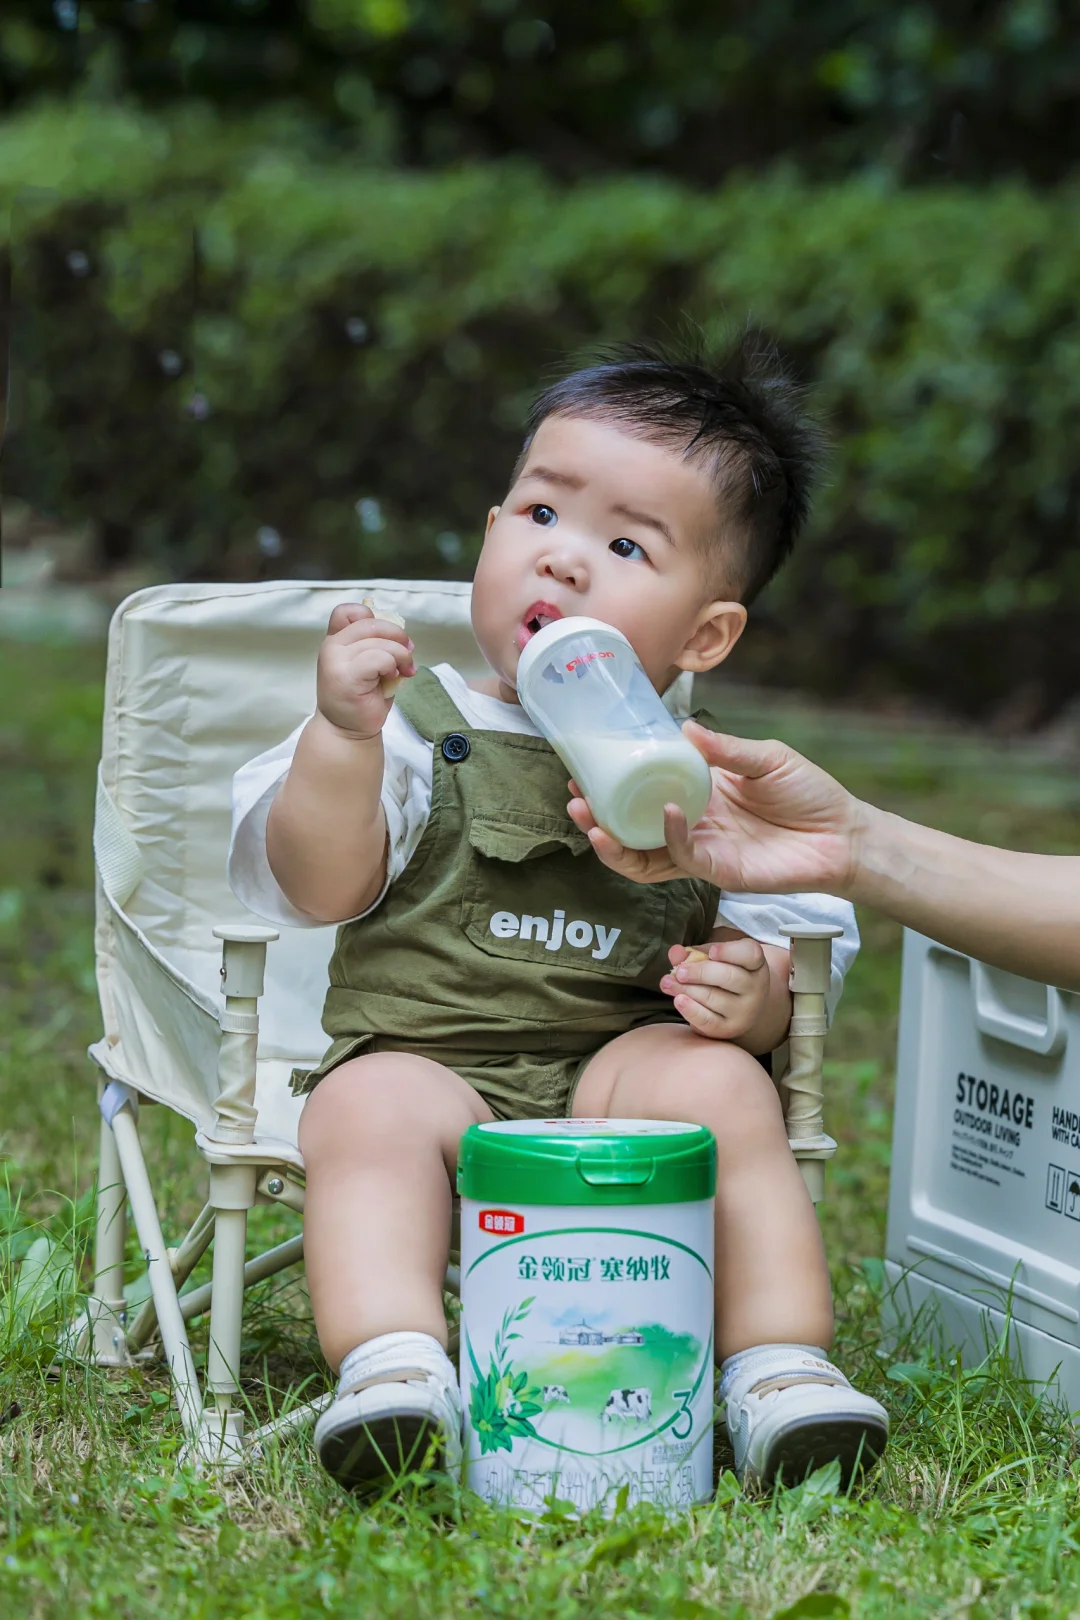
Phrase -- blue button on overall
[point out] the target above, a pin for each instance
(455, 747)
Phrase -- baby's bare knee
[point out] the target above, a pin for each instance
(727, 1089)
(380, 1105)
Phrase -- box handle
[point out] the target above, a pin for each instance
(1045, 1036)
(609, 1173)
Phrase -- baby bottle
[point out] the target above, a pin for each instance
(580, 683)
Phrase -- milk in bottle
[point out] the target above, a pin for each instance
(580, 682)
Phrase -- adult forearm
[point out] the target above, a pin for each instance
(1015, 911)
(326, 832)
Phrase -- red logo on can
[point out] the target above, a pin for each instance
(503, 1221)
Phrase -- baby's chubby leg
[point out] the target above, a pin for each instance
(772, 1281)
(380, 1137)
(788, 1409)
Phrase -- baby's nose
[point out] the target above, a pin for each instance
(567, 567)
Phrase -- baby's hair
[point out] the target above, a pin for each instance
(739, 410)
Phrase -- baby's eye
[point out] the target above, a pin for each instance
(628, 548)
(543, 515)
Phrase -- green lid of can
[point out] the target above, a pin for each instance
(587, 1161)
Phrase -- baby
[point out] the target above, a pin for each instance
(659, 495)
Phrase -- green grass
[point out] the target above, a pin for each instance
(975, 1511)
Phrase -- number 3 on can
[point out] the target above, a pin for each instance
(683, 1396)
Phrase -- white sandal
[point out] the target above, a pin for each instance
(789, 1411)
(402, 1417)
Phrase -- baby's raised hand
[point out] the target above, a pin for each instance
(359, 654)
(720, 988)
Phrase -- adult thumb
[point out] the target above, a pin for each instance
(739, 755)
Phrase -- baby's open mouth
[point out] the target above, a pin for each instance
(534, 618)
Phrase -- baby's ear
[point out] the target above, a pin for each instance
(719, 628)
(492, 515)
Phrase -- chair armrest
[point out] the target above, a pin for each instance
(811, 972)
(243, 958)
(243, 968)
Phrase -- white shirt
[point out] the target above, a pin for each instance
(406, 800)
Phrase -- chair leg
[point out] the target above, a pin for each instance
(104, 1340)
(173, 1330)
(297, 1417)
(199, 1300)
(184, 1261)
(221, 1433)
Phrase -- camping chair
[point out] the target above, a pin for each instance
(200, 679)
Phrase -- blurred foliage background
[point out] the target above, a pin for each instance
(285, 276)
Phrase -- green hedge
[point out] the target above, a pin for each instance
(960, 89)
(356, 348)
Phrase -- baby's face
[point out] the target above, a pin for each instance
(604, 524)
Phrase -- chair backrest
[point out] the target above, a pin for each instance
(200, 679)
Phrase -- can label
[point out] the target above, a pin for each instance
(587, 1354)
(501, 1220)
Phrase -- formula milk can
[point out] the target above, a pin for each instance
(587, 1311)
(580, 682)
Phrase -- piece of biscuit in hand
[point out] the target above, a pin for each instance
(389, 683)
(696, 956)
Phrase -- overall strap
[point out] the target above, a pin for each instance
(428, 707)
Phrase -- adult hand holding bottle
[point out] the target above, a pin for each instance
(778, 823)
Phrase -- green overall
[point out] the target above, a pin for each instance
(505, 950)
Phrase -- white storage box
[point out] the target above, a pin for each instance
(984, 1206)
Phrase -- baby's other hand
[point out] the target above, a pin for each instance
(722, 994)
(359, 654)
